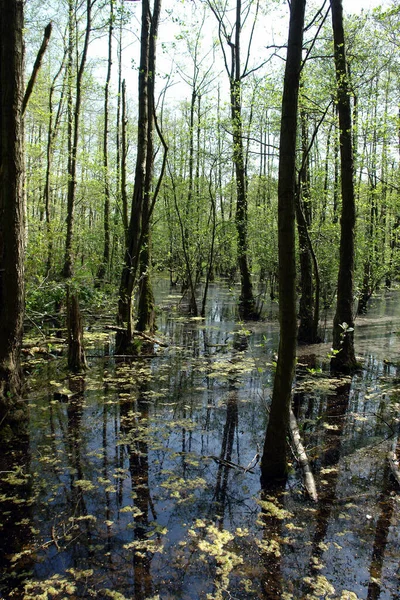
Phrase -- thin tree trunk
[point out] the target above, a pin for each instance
(274, 463)
(52, 131)
(104, 265)
(306, 333)
(247, 304)
(124, 152)
(73, 127)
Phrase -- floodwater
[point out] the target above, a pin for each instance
(136, 480)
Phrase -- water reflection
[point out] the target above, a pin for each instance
(138, 483)
(16, 535)
(134, 430)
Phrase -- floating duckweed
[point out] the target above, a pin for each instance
(85, 484)
(320, 585)
(270, 509)
(270, 547)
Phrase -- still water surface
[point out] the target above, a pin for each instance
(135, 482)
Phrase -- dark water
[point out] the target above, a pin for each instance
(133, 483)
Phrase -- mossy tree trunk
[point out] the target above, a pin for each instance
(12, 211)
(274, 459)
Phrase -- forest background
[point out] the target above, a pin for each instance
(193, 222)
(205, 168)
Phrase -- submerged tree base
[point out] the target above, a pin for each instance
(14, 413)
(248, 310)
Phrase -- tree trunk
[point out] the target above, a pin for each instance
(247, 306)
(137, 252)
(124, 152)
(52, 131)
(306, 333)
(131, 260)
(76, 354)
(343, 324)
(146, 312)
(104, 265)
(274, 459)
(12, 211)
(74, 114)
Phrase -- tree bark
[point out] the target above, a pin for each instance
(104, 265)
(137, 255)
(146, 311)
(274, 459)
(74, 114)
(76, 354)
(12, 210)
(343, 323)
(247, 306)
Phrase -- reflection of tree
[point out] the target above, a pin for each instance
(74, 436)
(336, 410)
(134, 426)
(225, 456)
(75, 498)
(271, 579)
(15, 524)
(386, 505)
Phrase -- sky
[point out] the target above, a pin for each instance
(355, 6)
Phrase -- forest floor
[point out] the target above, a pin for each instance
(138, 479)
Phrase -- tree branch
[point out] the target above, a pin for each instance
(36, 67)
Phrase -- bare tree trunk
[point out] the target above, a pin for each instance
(76, 354)
(343, 324)
(247, 303)
(12, 211)
(73, 126)
(52, 131)
(137, 256)
(274, 459)
(124, 151)
(247, 307)
(104, 265)
(131, 260)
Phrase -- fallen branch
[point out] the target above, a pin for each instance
(135, 333)
(230, 464)
(309, 482)
(394, 462)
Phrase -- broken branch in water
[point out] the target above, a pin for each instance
(394, 462)
(302, 459)
(135, 333)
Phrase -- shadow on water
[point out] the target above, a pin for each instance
(139, 479)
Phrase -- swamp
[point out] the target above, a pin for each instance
(199, 300)
(138, 479)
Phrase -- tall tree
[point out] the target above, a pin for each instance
(231, 37)
(104, 265)
(12, 208)
(74, 115)
(274, 458)
(343, 324)
(143, 200)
